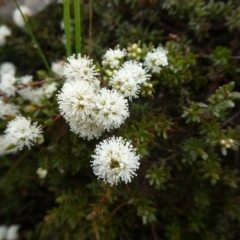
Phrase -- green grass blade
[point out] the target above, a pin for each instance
(29, 29)
(77, 26)
(67, 26)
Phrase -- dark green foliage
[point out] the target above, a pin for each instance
(187, 132)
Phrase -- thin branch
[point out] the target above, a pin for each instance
(116, 209)
(154, 232)
(95, 228)
(231, 118)
(38, 83)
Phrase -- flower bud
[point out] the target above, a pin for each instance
(29, 108)
(223, 141)
(139, 50)
(134, 46)
(42, 173)
(149, 92)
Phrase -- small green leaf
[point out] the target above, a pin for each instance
(48, 122)
(224, 151)
(203, 105)
(10, 147)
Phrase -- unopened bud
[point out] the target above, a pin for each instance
(29, 108)
(134, 46)
(42, 173)
(139, 50)
(149, 92)
(40, 140)
(108, 72)
(223, 142)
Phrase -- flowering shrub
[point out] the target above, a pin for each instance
(128, 139)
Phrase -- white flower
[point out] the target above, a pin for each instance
(26, 79)
(111, 109)
(3, 229)
(42, 173)
(81, 69)
(7, 84)
(156, 59)
(76, 100)
(124, 82)
(112, 57)
(137, 70)
(34, 95)
(21, 132)
(128, 78)
(7, 68)
(17, 17)
(88, 129)
(4, 32)
(115, 160)
(12, 233)
(49, 88)
(7, 109)
(57, 67)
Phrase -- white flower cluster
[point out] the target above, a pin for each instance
(115, 159)
(128, 78)
(113, 57)
(156, 59)
(7, 68)
(89, 109)
(4, 33)
(10, 85)
(9, 233)
(8, 79)
(21, 132)
(57, 67)
(36, 95)
(82, 69)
